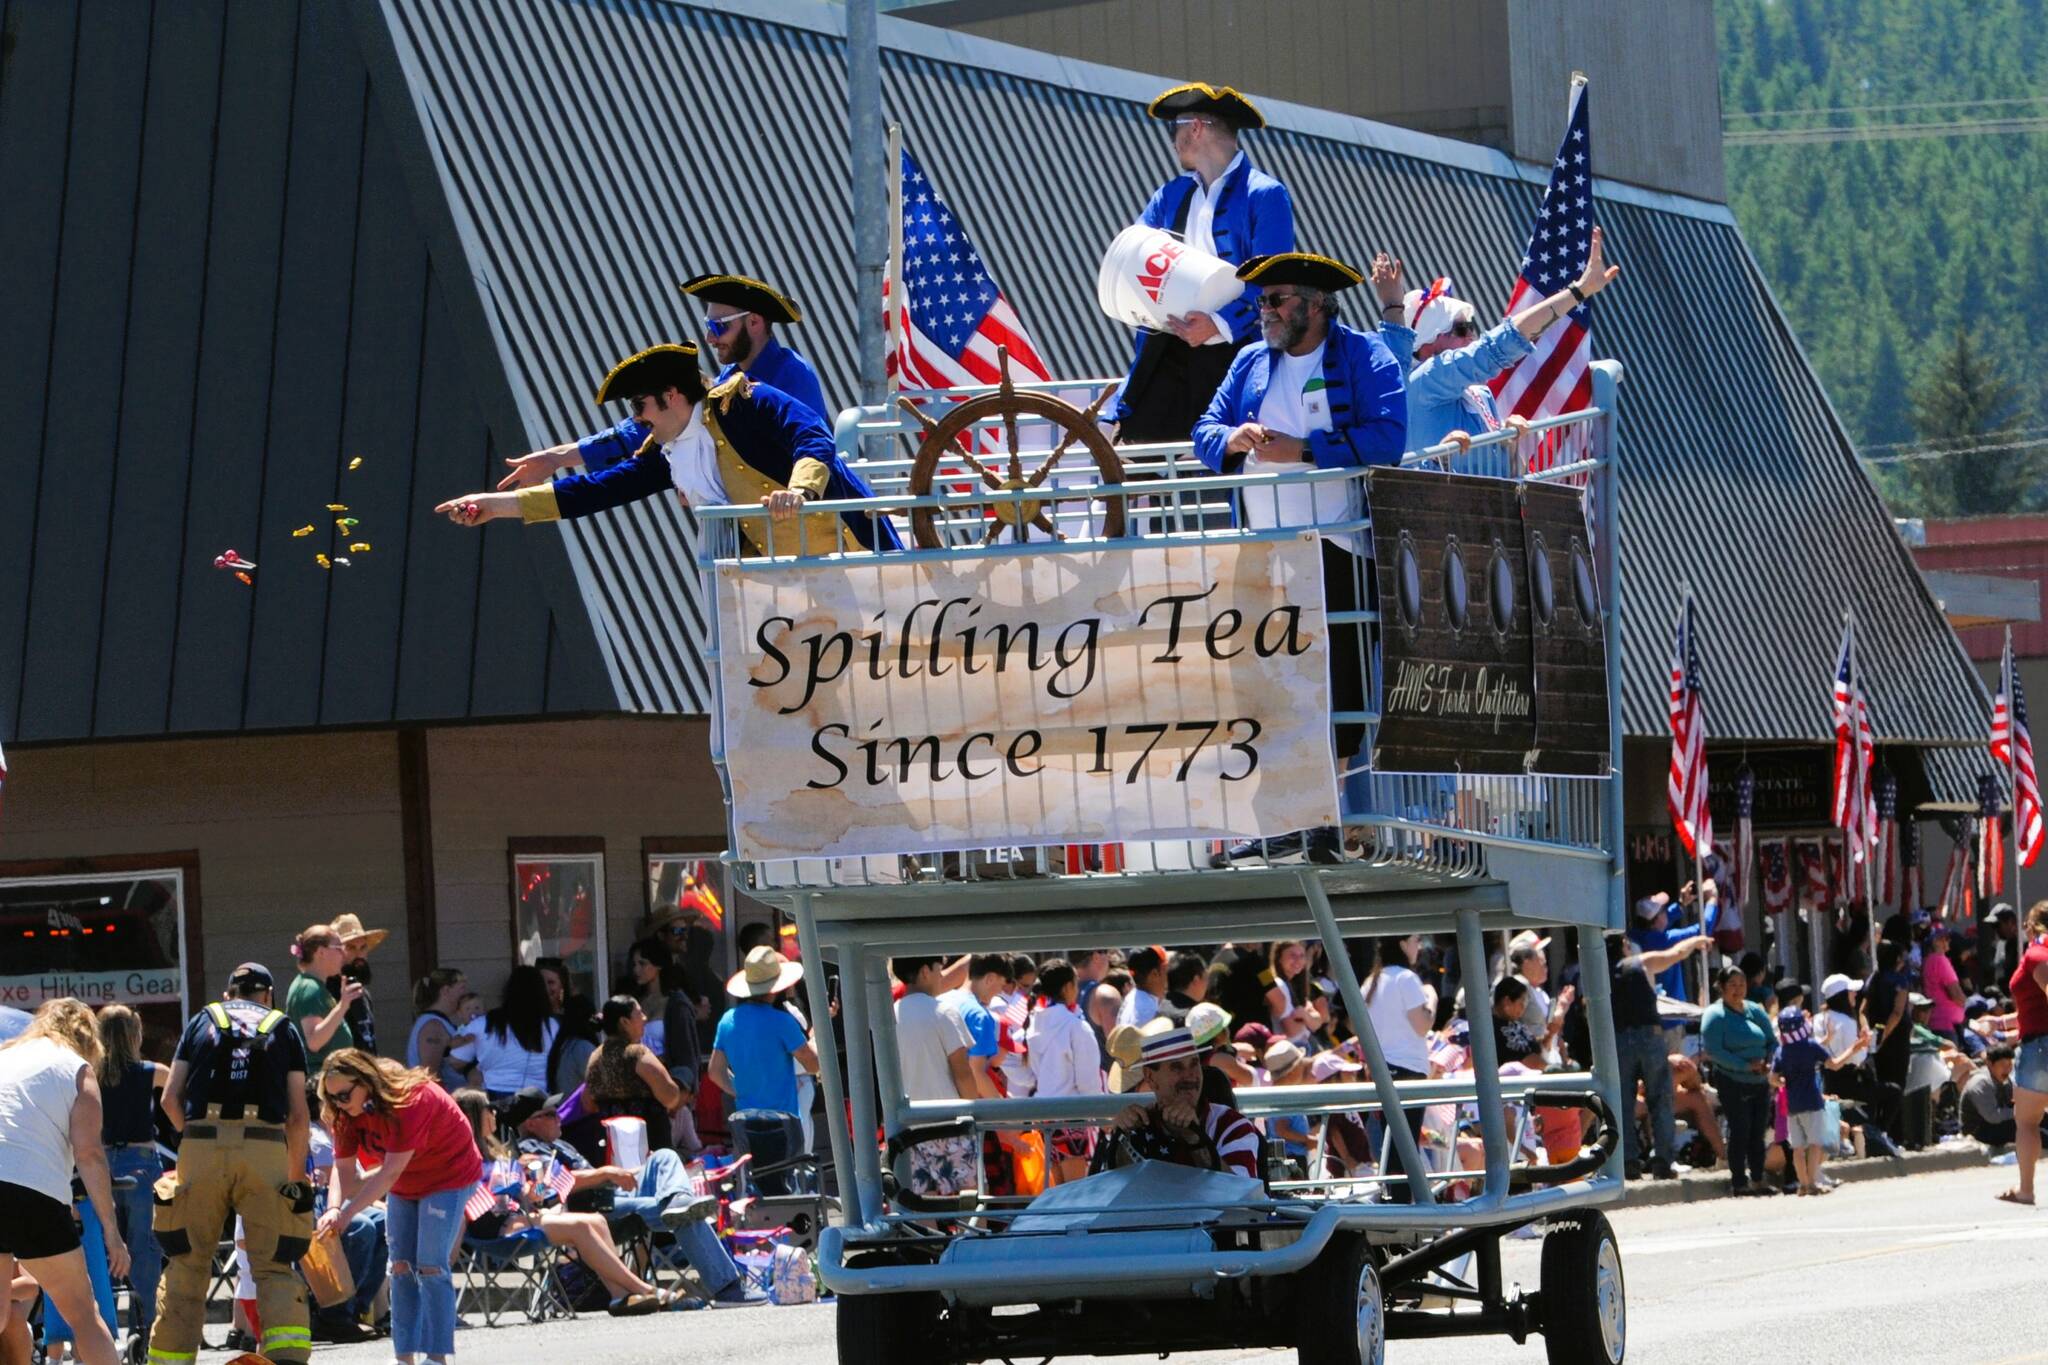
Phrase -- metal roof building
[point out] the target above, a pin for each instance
(419, 230)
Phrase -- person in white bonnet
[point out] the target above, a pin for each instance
(1451, 357)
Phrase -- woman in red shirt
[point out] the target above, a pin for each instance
(2029, 986)
(414, 1149)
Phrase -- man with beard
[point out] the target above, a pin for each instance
(1180, 1126)
(739, 442)
(1317, 395)
(1228, 208)
(356, 946)
(739, 320)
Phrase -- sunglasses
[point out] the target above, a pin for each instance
(634, 405)
(718, 327)
(1272, 302)
(341, 1097)
(1174, 125)
(1464, 329)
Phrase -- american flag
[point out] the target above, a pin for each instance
(1813, 874)
(1912, 891)
(1777, 877)
(2012, 743)
(1016, 1009)
(1745, 832)
(1955, 884)
(1888, 837)
(953, 314)
(498, 1177)
(558, 1178)
(1990, 837)
(1855, 808)
(1557, 376)
(1686, 785)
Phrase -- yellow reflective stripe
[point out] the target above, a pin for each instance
(275, 1335)
(270, 1021)
(155, 1354)
(220, 1014)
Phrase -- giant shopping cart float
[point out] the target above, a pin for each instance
(1035, 728)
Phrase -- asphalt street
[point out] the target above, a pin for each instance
(1927, 1268)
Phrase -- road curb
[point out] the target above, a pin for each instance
(1700, 1186)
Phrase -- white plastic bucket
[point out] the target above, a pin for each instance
(1148, 275)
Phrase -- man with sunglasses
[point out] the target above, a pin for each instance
(740, 314)
(737, 442)
(1225, 206)
(1448, 397)
(238, 1094)
(1316, 395)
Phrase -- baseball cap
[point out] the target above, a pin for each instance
(1525, 943)
(1327, 1064)
(1789, 986)
(250, 974)
(526, 1103)
(2000, 911)
(1649, 907)
(1920, 1002)
(1836, 984)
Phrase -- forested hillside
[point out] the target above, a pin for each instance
(1914, 266)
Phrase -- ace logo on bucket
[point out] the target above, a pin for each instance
(885, 706)
(1159, 264)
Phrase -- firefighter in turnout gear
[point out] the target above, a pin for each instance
(238, 1094)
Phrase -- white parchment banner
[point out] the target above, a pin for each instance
(882, 705)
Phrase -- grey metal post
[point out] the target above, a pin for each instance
(828, 1058)
(854, 1004)
(888, 1062)
(1369, 1040)
(870, 209)
(1594, 981)
(1493, 1128)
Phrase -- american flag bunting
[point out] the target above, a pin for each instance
(1888, 837)
(2012, 744)
(1912, 890)
(1956, 889)
(1686, 784)
(1990, 836)
(1557, 375)
(1777, 876)
(1813, 873)
(1745, 832)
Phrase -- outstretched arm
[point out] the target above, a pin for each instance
(579, 495)
(1597, 275)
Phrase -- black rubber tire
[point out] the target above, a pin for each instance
(1585, 1300)
(1328, 1310)
(886, 1329)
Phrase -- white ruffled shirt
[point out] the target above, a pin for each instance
(693, 463)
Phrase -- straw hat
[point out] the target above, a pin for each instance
(1281, 1059)
(766, 972)
(1134, 1049)
(355, 938)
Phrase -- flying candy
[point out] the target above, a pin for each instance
(356, 463)
(305, 530)
(228, 559)
(245, 578)
(337, 507)
(361, 547)
(342, 524)
(323, 561)
(341, 560)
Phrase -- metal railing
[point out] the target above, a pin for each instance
(1442, 823)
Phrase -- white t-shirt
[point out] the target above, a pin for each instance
(1837, 1030)
(507, 1067)
(1138, 1009)
(1388, 1001)
(926, 1034)
(38, 1087)
(1297, 404)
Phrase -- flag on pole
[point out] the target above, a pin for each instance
(1912, 892)
(1990, 837)
(2012, 744)
(952, 315)
(1686, 784)
(1745, 832)
(1855, 805)
(1888, 837)
(499, 1177)
(1557, 375)
(1777, 877)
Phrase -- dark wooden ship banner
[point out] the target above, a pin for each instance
(1491, 654)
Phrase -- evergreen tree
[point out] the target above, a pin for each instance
(1964, 402)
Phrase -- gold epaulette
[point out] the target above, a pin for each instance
(723, 393)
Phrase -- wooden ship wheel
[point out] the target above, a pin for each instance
(943, 446)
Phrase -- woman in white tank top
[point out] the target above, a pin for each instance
(50, 1122)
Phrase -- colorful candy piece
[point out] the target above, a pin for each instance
(323, 561)
(305, 530)
(228, 559)
(343, 524)
(245, 578)
(341, 561)
(356, 463)
(361, 547)
(337, 507)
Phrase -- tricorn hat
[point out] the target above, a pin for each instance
(748, 295)
(1199, 97)
(1304, 268)
(670, 365)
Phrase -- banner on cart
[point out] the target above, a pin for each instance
(884, 704)
(1492, 656)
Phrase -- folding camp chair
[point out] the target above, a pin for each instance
(516, 1271)
(781, 1185)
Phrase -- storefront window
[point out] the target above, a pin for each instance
(558, 912)
(117, 938)
(702, 890)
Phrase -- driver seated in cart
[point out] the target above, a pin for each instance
(1179, 1126)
